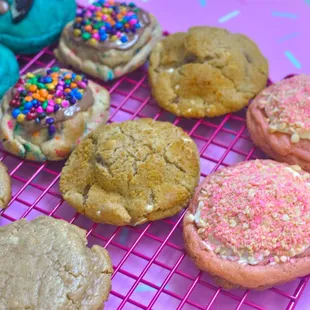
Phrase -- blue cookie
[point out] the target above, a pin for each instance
(40, 26)
(9, 70)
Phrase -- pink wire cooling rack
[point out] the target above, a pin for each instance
(152, 270)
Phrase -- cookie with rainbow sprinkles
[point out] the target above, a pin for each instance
(48, 111)
(108, 39)
(249, 225)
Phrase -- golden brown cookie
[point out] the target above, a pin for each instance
(132, 172)
(249, 225)
(5, 186)
(206, 72)
(45, 264)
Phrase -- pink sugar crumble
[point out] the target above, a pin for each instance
(259, 206)
(289, 101)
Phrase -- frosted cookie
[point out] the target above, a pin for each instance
(27, 26)
(132, 172)
(48, 111)
(206, 72)
(249, 225)
(9, 70)
(5, 187)
(108, 39)
(278, 120)
(45, 264)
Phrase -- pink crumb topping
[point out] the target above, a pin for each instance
(288, 102)
(258, 206)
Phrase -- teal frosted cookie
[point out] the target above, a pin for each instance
(9, 70)
(28, 26)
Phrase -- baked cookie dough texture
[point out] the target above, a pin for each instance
(5, 186)
(249, 225)
(132, 172)
(45, 264)
(206, 72)
(278, 121)
(123, 39)
(48, 111)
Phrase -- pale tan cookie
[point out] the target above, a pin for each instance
(206, 72)
(132, 172)
(45, 264)
(32, 141)
(278, 120)
(5, 186)
(248, 225)
(108, 59)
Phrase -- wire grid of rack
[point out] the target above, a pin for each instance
(152, 270)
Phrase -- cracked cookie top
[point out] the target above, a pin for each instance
(132, 172)
(45, 264)
(206, 72)
(5, 186)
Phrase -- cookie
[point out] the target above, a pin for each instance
(26, 27)
(108, 39)
(278, 121)
(9, 70)
(248, 225)
(5, 187)
(132, 172)
(49, 111)
(45, 264)
(206, 72)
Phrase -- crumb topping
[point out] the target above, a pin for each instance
(287, 106)
(257, 212)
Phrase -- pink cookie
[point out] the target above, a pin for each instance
(279, 121)
(249, 225)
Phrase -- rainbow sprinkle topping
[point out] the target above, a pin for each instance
(39, 96)
(106, 20)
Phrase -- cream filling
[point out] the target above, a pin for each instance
(295, 130)
(295, 133)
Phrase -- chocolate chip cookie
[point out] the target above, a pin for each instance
(132, 172)
(206, 72)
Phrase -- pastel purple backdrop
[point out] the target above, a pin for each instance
(281, 28)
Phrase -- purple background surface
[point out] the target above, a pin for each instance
(281, 28)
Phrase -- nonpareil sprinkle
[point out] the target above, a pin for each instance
(106, 20)
(39, 96)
